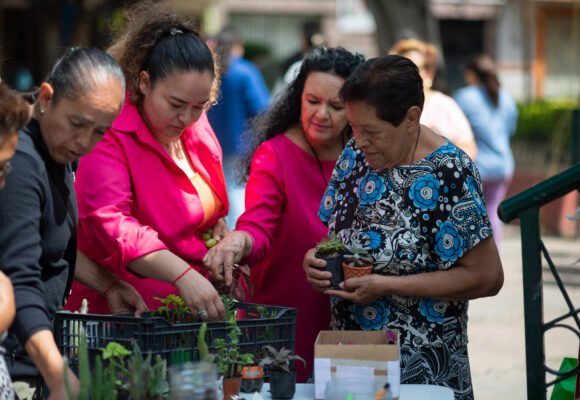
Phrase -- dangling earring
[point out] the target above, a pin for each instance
(427, 83)
(41, 112)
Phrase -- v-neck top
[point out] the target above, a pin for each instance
(134, 200)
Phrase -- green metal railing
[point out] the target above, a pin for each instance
(526, 206)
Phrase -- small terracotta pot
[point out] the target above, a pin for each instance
(231, 387)
(354, 272)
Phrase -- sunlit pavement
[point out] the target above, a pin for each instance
(496, 325)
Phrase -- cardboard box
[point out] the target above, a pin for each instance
(358, 355)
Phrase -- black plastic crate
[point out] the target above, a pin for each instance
(259, 325)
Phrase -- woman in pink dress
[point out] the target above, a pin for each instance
(292, 149)
(155, 184)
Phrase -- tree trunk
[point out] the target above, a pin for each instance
(398, 19)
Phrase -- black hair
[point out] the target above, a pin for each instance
(80, 69)
(286, 111)
(391, 84)
(484, 68)
(185, 51)
(160, 41)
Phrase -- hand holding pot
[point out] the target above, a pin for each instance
(316, 274)
(362, 290)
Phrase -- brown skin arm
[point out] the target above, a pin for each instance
(42, 348)
(479, 273)
(7, 308)
(195, 289)
(121, 297)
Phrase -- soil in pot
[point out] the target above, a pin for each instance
(334, 266)
(282, 384)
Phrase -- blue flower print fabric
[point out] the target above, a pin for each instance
(412, 219)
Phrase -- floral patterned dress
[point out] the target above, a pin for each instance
(412, 219)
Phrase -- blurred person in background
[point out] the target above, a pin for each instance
(311, 37)
(243, 95)
(440, 112)
(293, 148)
(14, 113)
(38, 212)
(155, 185)
(493, 115)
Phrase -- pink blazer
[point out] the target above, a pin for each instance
(133, 200)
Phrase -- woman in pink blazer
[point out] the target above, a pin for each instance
(155, 183)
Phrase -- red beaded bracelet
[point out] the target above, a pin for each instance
(181, 276)
(111, 285)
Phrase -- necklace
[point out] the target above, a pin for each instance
(406, 188)
(324, 179)
(416, 145)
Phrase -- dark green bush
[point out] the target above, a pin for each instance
(543, 121)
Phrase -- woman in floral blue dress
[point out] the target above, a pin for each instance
(413, 201)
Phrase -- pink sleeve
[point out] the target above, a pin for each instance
(265, 200)
(108, 233)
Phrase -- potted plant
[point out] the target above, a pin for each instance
(281, 372)
(229, 360)
(332, 251)
(357, 262)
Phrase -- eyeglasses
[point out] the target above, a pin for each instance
(6, 169)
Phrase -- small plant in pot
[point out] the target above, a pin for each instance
(357, 262)
(281, 371)
(332, 251)
(230, 361)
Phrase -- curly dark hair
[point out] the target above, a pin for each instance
(14, 112)
(160, 41)
(286, 110)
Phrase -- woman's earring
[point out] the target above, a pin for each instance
(41, 112)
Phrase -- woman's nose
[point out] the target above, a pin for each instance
(85, 141)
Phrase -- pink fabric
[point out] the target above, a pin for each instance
(283, 195)
(133, 200)
(442, 114)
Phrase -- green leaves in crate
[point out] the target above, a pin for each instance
(173, 308)
(228, 357)
(120, 370)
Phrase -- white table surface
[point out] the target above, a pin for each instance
(305, 391)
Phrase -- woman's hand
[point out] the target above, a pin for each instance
(122, 298)
(362, 290)
(59, 391)
(201, 297)
(315, 275)
(220, 229)
(230, 250)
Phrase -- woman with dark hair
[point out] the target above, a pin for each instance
(75, 105)
(155, 184)
(14, 114)
(292, 150)
(493, 116)
(413, 201)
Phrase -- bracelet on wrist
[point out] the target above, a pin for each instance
(111, 286)
(181, 275)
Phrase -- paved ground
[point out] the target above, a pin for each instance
(496, 325)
